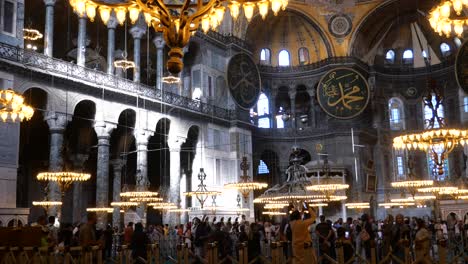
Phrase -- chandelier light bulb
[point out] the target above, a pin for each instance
(120, 14)
(284, 4)
(133, 13)
(248, 10)
(205, 24)
(457, 6)
(80, 7)
(458, 28)
(276, 6)
(104, 12)
(213, 21)
(220, 13)
(234, 8)
(148, 18)
(263, 8)
(445, 9)
(91, 11)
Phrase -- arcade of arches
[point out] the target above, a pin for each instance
(129, 128)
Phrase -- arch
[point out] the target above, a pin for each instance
(127, 116)
(390, 57)
(284, 58)
(265, 56)
(396, 113)
(408, 56)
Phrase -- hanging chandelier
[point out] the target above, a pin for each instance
(275, 206)
(170, 79)
(245, 185)
(397, 204)
(202, 193)
(178, 210)
(358, 205)
(163, 206)
(100, 209)
(273, 213)
(145, 199)
(176, 20)
(437, 141)
(411, 184)
(124, 205)
(31, 34)
(47, 204)
(12, 106)
(327, 186)
(447, 18)
(64, 179)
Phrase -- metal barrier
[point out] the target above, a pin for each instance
(50, 255)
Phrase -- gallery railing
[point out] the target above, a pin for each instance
(44, 64)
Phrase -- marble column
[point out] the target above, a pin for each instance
(57, 124)
(159, 43)
(111, 26)
(117, 165)
(81, 43)
(137, 32)
(292, 97)
(273, 109)
(311, 92)
(103, 132)
(78, 208)
(49, 28)
(175, 144)
(142, 182)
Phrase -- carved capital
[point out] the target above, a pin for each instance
(159, 41)
(104, 129)
(117, 164)
(57, 121)
(142, 136)
(78, 161)
(112, 22)
(175, 143)
(137, 31)
(50, 2)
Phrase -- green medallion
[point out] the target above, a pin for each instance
(343, 93)
(461, 67)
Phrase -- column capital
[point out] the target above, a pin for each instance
(57, 121)
(104, 129)
(117, 164)
(137, 31)
(78, 161)
(50, 2)
(175, 143)
(159, 41)
(112, 22)
(292, 92)
(142, 136)
(311, 91)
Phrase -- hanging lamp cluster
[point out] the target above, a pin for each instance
(245, 186)
(202, 193)
(64, 179)
(12, 106)
(177, 21)
(447, 18)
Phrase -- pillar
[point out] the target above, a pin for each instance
(117, 165)
(49, 28)
(175, 144)
(142, 182)
(111, 26)
(292, 98)
(273, 110)
(103, 132)
(311, 92)
(81, 43)
(57, 124)
(159, 43)
(77, 211)
(137, 32)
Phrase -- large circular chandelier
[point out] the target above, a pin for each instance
(437, 140)
(12, 106)
(64, 179)
(358, 205)
(245, 185)
(177, 20)
(327, 186)
(411, 184)
(202, 193)
(47, 204)
(445, 21)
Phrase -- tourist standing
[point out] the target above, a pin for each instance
(300, 235)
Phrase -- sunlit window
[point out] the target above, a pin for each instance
(408, 56)
(263, 111)
(445, 49)
(283, 58)
(457, 42)
(390, 57)
(428, 113)
(303, 56)
(396, 111)
(263, 168)
(400, 166)
(424, 54)
(197, 94)
(279, 118)
(465, 104)
(265, 57)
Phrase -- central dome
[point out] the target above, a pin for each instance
(289, 31)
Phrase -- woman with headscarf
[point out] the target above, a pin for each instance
(422, 243)
(367, 239)
(138, 244)
(300, 235)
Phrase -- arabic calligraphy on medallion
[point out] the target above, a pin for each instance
(243, 80)
(343, 93)
(461, 67)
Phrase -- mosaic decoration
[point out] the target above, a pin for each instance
(340, 25)
(243, 80)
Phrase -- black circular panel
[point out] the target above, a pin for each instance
(461, 67)
(243, 80)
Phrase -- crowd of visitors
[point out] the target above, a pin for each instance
(357, 236)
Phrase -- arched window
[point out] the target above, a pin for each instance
(408, 56)
(457, 42)
(197, 94)
(424, 54)
(303, 56)
(390, 57)
(400, 167)
(263, 111)
(396, 113)
(283, 58)
(265, 57)
(428, 113)
(263, 168)
(445, 49)
(465, 104)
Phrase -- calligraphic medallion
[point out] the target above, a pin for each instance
(243, 80)
(461, 67)
(343, 93)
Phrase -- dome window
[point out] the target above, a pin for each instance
(408, 57)
(390, 57)
(457, 42)
(303, 56)
(283, 58)
(265, 57)
(445, 49)
(424, 54)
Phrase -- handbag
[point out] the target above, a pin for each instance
(364, 235)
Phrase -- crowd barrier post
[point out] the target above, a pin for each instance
(339, 252)
(243, 253)
(373, 252)
(442, 250)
